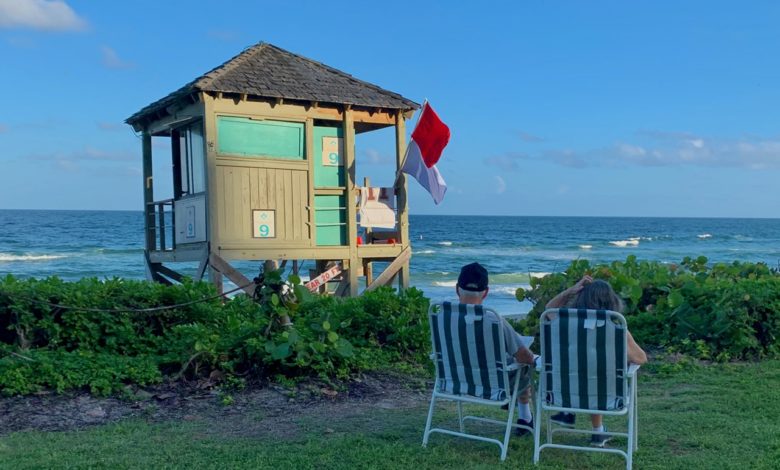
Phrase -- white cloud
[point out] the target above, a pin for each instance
(566, 157)
(662, 149)
(500, 185)
(655, 134)
(88, 154)
(67, 165)
(631, 151)
(508, 161)
(528, 137)
(111, 59)
(45, 15)
(92, 161)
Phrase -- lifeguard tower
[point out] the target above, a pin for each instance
(263, 157)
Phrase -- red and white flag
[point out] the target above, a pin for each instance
(429, 138)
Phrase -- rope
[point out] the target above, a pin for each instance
(17, 355)
(126, 310)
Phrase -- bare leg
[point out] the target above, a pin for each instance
(525, 395)
(595, 420)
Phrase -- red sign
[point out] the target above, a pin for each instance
(323, 278)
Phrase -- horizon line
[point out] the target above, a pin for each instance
(579, 216)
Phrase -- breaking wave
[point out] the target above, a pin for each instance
(625, 243)
(508, 290)
(29, 257)
(500, 282)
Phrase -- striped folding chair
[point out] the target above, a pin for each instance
(584, 368)
(472, 367)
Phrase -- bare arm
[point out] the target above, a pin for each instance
(524, 356)
(562, 299)
(635, 354)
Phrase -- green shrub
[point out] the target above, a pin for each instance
(100, 373)
(80, 347)
(712, 311)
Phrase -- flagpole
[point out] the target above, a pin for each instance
(399, 171)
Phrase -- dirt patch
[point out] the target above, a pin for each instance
(257, 411)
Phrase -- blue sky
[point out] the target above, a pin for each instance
(661, 108)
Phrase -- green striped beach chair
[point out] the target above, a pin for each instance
(472, 367)
(584, 368)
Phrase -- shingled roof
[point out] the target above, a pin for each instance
(267, 71)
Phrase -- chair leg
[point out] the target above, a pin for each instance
(634, 384)
(511, 415)
(631, 430)
(430, 418)
(538, 426)
(460, 417)
(549, 430)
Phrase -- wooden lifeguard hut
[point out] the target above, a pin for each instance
(263, 156)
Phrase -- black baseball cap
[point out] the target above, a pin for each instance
(473, 277)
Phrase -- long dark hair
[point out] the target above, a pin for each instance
(599, 295)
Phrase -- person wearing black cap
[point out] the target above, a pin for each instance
(472, 288)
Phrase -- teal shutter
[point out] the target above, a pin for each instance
(254, 138)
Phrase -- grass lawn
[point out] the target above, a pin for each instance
(722, 416)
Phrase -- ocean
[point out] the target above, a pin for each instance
(76, 244)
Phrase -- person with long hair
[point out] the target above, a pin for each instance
(598, 295)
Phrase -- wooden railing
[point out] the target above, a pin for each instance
(158, 235)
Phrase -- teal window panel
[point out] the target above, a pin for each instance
(251, 138)
(330, 220)
(329, 201)
(327, 175)
(332, 236)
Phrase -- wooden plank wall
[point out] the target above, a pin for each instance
(244, 188)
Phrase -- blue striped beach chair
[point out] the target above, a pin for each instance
(584, 368)
(472, 367)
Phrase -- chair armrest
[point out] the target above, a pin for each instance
(632, 369)
(513, 366)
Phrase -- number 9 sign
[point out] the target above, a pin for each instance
(332, 148)
(263, 223)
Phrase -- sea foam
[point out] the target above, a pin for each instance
(503, 282)
(445, 243)
(705, 235)
(508, 290)
(625, 243)
(586, 247)
(29, 257)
